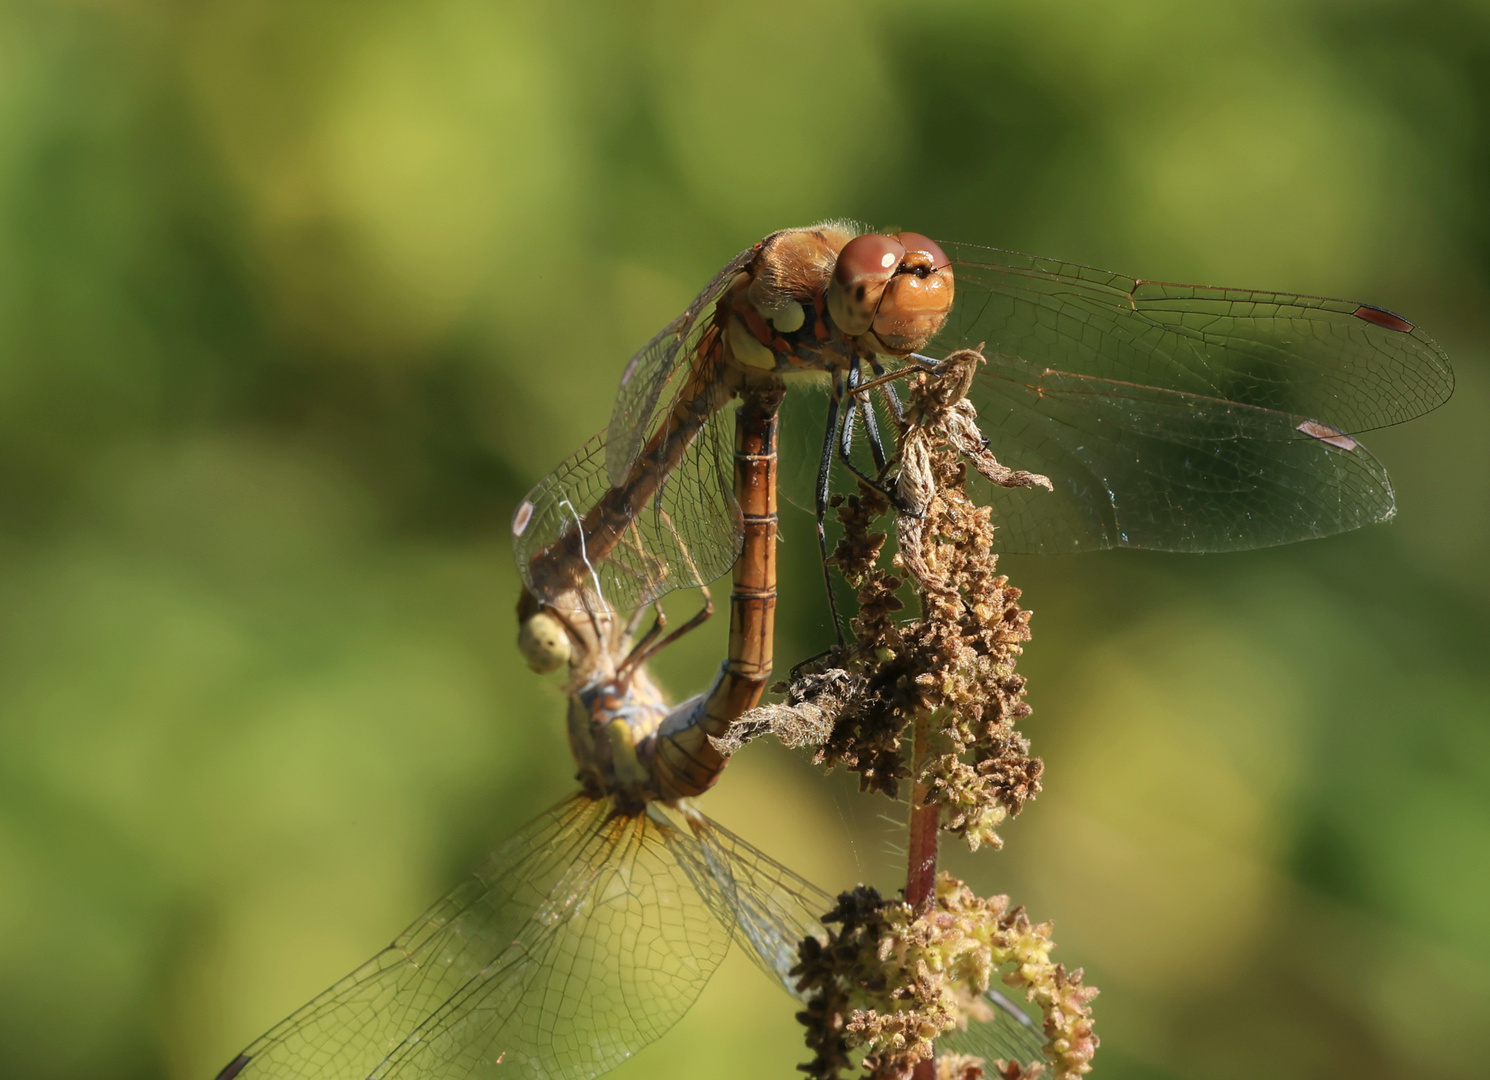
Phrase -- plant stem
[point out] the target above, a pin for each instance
(920, 878)
(925, 821)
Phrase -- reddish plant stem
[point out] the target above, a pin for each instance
(925, 821)
(925, 824)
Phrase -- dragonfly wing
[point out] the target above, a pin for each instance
(774, 907)
(347, 1031)
(605, 964)
(1350, 365)
(640, 402)
(1010, 1035)
(1135, 466)
(687, 535)
(575, 944)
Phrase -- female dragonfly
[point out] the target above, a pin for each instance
(580, 940)
(585, 936)
(589, 933)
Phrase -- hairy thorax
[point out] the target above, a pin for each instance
(819, 298)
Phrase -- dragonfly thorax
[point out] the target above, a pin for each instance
(823, 297)
(612, 724)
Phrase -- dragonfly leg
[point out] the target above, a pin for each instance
(897, 410)
(650, 645)
(892, 399)
(820, 504)
(849, 422)
(641, 648)
(846, 445)
(801, 665)
(914, 362)
(871, 423)
(846, 430)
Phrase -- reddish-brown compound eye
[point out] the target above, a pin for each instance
(864, 266)
(914, 241)
(916, 302)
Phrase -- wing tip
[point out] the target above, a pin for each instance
(1331, 436)
(1380, 316)
(234, 1067)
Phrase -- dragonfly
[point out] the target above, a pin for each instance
(1168, 417)
(585, 936)
(581, 939)
(687, 762)
(590, 932)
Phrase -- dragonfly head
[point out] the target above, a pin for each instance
(899, 288)
(544, 643)
(918, 297)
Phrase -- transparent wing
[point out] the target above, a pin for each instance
(1011, 1035)
(688, 534)
(640, 401)
(774, 907)
(579, 941)
(1352, 366)
(1136, 466)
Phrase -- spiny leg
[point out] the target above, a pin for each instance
(858, 402)
(641, 646)
(914, 362)
(646, 648)
(887, 389)
(871, 423)
(649, 646)
(824, 484)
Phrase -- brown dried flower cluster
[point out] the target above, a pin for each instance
(964, 1067)
(895, 976)
(941, 416)
(956, 662)
(890, 982)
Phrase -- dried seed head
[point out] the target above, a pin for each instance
(891, 980)
(889, 983)
(954, 663)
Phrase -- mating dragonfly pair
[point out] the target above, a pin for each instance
(1170, 417)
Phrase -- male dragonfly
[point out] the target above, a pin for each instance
(1168, 417)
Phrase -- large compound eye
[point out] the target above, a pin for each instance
(917, 300)
(865, 266)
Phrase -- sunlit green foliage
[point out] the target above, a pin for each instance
(297, 297)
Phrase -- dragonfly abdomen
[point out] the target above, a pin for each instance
(685, 762)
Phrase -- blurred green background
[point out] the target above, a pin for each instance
(297, 298)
